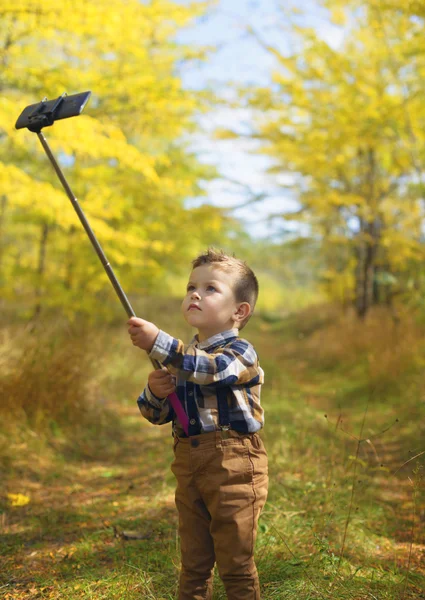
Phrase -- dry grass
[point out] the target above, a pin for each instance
(390, 352)
(48, 374)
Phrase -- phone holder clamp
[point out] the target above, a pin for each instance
(40, 117)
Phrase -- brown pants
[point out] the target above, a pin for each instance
(221, 489)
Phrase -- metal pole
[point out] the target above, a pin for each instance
(120, 292)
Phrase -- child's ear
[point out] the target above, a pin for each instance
(243, 311)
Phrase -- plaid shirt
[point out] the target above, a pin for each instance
(222, 371)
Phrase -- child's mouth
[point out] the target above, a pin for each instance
(193, 306)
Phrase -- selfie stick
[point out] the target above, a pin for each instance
(44, 114)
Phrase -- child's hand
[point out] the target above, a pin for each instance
(161, 383)
(143, 333)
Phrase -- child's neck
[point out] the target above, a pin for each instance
(205, 335)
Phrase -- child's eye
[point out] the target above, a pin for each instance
(190, 288)
(211, 288)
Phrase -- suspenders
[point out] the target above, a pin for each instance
(192, 411)
(223, 409)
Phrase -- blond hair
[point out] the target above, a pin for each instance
(245, 285)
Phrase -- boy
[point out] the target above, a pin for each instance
(221, 467)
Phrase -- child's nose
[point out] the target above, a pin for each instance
(195, 294)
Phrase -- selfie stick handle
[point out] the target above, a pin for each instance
(173, 398)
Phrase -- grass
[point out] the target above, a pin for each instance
(344, 518)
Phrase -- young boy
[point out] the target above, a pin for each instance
(221, 467)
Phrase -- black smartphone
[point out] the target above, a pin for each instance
(43, 114)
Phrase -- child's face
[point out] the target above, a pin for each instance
(210, 304)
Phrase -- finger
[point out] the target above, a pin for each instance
(163, 383)
(167, 391)
(167, 384)
(154, 383)
(161, 371)
(135, 321)
(160, 375)
(160, 384)
(133, 330)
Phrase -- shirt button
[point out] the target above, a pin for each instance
(190, 394)
(192, 421)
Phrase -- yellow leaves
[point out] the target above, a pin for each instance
(38, 199)
(225, 134)
(110, 238)
(338, 16)
(401, 249)
(104, 203)
(344, 199)
(339, 120)
(87, 137)
(124, 157)
(18, 499)
(8, 115)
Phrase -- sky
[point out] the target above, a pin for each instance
(239, 58)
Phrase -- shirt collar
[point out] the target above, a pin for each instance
(216, 340)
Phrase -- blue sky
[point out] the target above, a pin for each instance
(240, 59)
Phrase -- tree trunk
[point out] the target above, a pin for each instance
(370, 235)
(69, 270)
(366, 290)
(40, 269)
(3, 200)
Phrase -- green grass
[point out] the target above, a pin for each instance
(344, 518)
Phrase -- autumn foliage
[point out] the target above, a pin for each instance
(344, 126)
(127, 157)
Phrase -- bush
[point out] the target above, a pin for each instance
(48, 374)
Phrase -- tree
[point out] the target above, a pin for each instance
(349, 124)
(127, 157)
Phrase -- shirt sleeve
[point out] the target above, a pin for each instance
(234, 364)
(156, 410)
